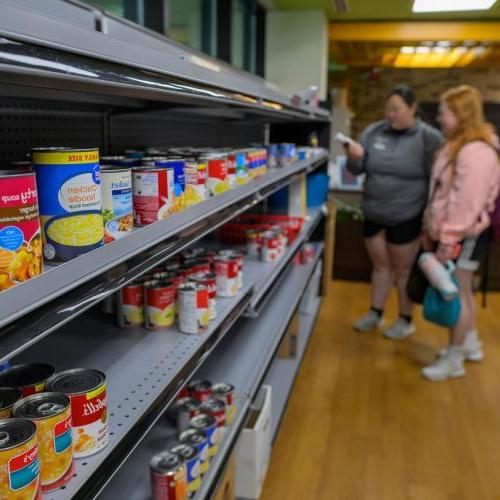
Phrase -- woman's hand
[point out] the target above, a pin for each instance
(444, 253)
(354, 151)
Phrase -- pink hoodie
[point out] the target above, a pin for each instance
(460, 202)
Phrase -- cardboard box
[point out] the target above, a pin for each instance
(227, 486)
(288, 346)
(253, 450)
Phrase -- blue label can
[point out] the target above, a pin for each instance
(70, 201)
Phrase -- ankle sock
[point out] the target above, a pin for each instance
(407, 318)
(379, 312)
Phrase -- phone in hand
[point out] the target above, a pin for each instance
(344, 139)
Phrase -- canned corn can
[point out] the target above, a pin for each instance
(117, 208)
(159, 305)
(51, 413)
(87, 391)
(210, 281)
(225, 392)
(196, 181)
(193, 308)
(8, 397)
(179, 198)
(19, 460)
(227, 272)
(208, 425)
(168, 477)
(20, 236)
(28, 379)
(70, 201)
(241, 167)
(217, 179)
(130, 305)
(151, 195)
(191, 457)
(199, 440)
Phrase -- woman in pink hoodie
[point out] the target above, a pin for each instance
(464, 186)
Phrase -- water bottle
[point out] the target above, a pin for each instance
(439, 276)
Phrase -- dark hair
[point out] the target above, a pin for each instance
(405, 92)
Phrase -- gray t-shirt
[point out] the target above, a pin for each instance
(397, 167)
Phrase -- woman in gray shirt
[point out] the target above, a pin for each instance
(396, 155)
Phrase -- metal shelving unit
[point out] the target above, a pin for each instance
(60, 47)
(69, 72)
(144, 369)
(258, 339)
(283, 372)
(67, 290)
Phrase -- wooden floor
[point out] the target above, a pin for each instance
(363, 425)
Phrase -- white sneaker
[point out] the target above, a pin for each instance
(451, 365)
(472, 347)
(400, 329)
(369, 322)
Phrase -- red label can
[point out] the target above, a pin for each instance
(130, 305)
(168, 477)
(227, 270)
(193, 308)
(216, 408)
(151, 197)
(217, 180)
(160, 305)
(20, 237)
(271, 247)
(200, 390)
(87, 391)
(210, 281)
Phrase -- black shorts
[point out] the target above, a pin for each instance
(400, 234)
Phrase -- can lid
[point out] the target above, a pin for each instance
(63, 149)
(189, 286)
(165, 462)
(8, 396)
(76, 381)
(158, 283)
(200, 385)
(15, 431)
(193, 436)
(212, 404)
(187, 403)
(223, 388)
(25, 375)
(41, 405)
(17, 171)
(185, 451)
(202, 421)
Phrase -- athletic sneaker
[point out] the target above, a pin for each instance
(400, 329)
(451, 365)
(472, 347)
(369, 322)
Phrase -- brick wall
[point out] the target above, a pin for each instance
(367, 93)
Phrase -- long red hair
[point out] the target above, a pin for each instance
(466, 104)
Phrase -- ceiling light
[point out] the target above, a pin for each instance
(407, 50)
(443, 43)
(451, 5)
(440, 50)
(423, 50)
